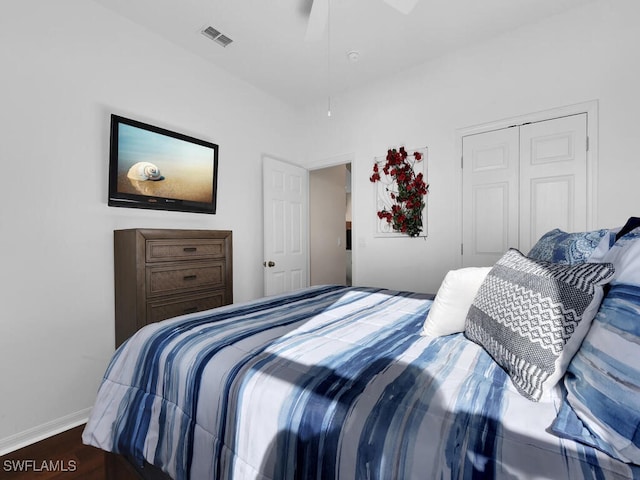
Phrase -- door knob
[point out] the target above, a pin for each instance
(269, 264)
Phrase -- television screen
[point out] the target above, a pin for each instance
(150, 167)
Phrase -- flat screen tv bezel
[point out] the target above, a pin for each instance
(120, 199)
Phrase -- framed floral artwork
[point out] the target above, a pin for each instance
(401, 191)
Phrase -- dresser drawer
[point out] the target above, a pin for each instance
(166, 308)
(169, 250)
(184, 277)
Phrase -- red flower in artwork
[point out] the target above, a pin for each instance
(407, 189)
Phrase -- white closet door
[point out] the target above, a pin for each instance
(490, 195)
(553, 177)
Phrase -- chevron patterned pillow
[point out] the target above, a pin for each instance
(531, 316)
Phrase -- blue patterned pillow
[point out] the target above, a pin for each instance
(531, 317)
(602, 405)
(571, 248)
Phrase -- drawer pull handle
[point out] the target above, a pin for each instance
(191, 310)
(190, 249)
(190, 277)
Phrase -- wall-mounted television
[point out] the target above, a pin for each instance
(151, 167)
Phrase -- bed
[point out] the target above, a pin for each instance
(335, 382)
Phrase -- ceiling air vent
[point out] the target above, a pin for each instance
(216, 36)
(223, 40)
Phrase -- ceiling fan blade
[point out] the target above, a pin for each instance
(403, 6)
(318, 18)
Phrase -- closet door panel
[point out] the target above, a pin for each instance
(490, 214)
(553, 172)
(552, 206)
(490, 195)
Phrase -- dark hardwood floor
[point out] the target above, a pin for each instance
(61, 457)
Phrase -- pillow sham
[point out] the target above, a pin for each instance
(531, 317)
(570, 248)
(602, 404)
(448, 312)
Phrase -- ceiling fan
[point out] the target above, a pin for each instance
(319, 16)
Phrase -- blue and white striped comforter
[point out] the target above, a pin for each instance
(328, 382)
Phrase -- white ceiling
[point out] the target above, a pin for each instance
(269, 50)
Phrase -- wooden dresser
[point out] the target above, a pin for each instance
(165, 273)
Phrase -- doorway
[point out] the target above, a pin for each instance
(330, 224)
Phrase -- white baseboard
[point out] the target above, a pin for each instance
(46, 430)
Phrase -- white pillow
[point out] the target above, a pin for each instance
(449, 310)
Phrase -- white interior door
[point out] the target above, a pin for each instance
(553, 187)
(285, 200)
(489, 195)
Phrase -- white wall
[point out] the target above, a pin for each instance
(585, 54)
(65, 67)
